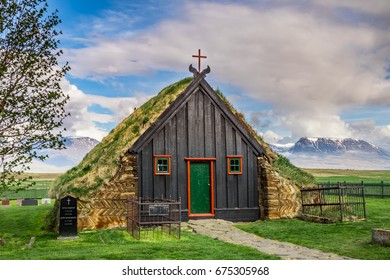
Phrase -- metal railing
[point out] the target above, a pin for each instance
(152, 215)
(337, 203)
(372, 189)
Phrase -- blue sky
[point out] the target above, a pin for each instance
(294, 68)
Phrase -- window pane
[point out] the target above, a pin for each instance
(162, 165)
(235, 165)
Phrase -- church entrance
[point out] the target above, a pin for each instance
(200, 172)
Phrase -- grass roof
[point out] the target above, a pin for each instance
(101, 163)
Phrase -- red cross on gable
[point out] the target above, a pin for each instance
(199, 57)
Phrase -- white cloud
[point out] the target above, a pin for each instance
(320, 125)
(271, 137)
(379, 7)
(83, 122)
(307, 65)
(368, 130)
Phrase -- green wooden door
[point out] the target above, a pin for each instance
(200, 188)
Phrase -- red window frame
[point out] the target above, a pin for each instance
(160, 173)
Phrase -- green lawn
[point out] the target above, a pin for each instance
(352, 239)
(19, 224)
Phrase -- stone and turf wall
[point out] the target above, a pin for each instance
(107, 206)
(278, 197)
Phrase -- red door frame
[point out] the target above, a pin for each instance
(211, 161)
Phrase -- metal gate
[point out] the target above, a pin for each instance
(153, 216)
(336, 203)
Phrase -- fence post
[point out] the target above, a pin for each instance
(340, 202)
(139, 209)
(364, 204)
(179, 217)
(383, 189)
(319, 195)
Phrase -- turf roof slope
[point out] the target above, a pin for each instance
(100, 164)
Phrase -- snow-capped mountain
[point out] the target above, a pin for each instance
(61, 160)
(335, 153)
(79, 145)
(282, 148)
(334, 146)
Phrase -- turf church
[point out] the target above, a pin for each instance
(200, 150)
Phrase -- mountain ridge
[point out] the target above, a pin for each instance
(334, 145)
(61, 160)
(338, 153)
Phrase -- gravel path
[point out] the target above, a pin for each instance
(226, 231)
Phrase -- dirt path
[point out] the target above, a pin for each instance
(226, 231)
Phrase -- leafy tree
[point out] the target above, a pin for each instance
(31, 100)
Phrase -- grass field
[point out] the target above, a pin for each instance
(19, 224)
(43, 182)
(355, 176)
(352, 239)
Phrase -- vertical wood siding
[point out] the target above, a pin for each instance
(200, 129)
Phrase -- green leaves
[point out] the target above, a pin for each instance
(31, 100)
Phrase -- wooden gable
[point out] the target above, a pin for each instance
(198, 86)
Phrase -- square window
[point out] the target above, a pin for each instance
(162, 165)
(234, 164)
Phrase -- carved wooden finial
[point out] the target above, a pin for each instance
(198, 72)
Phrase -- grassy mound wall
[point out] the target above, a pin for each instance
(100, 164)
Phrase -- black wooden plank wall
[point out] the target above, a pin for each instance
(200, 129)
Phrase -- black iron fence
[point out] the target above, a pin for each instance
(372, 189)
(153, 216)
(336, 203)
